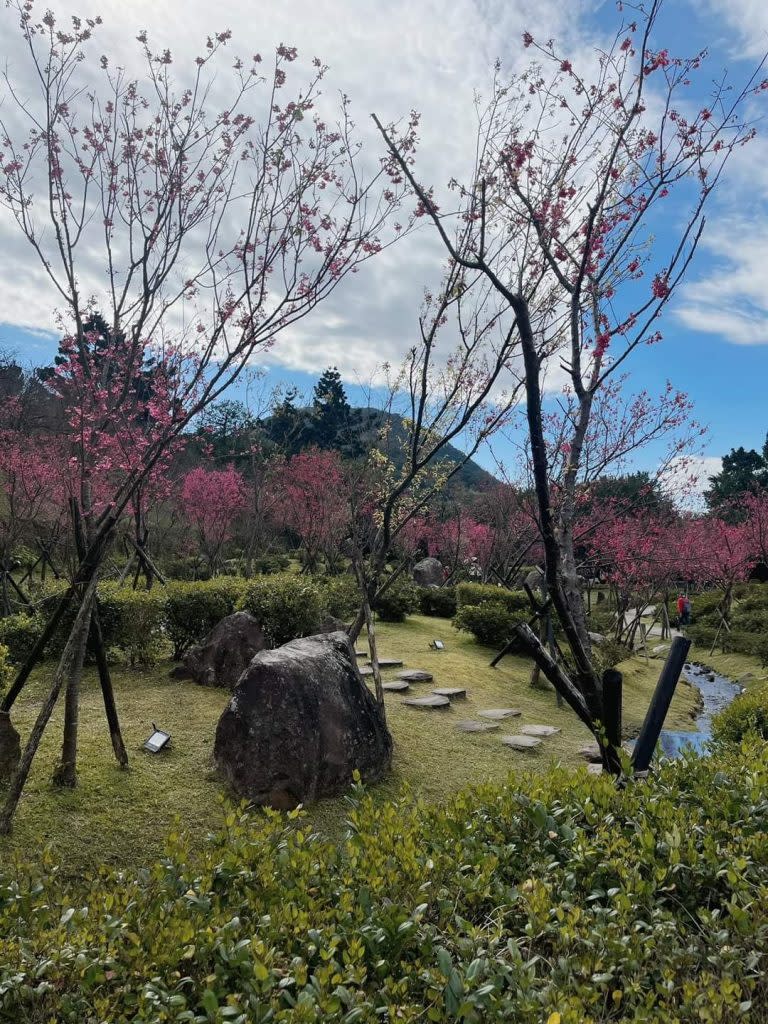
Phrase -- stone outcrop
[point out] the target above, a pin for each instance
(428, 573)
(299, 723)
(226, 652)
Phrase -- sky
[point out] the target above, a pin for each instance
(432, 56)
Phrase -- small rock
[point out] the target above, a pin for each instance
(595, 769)
(521, 742)
(596, 638)
(415, 675)
(450, 691)
(539, 730)
(497, 714)
(469, 726)
(659, 648)
(590, 752)
(428, 702)
(711, 677)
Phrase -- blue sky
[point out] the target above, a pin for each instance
(715, 334)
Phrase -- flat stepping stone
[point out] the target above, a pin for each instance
(415, 675)
(470, 726)
(361, 654)
(590, 752)
(365, 670)
(389, 663)
(428, 702)
(397, 687)
(497, 714)
(521, 742)
(450, 691)
(538, 730)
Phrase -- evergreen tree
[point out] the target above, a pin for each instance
(286, 425)
(744, 470)
(332, 424)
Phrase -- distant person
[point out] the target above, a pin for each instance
(680, 609)
(686, 620)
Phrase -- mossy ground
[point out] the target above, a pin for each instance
(121, 818)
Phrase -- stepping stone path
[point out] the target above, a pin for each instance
(591, 752)
(521, 742)
(538, 730)
(450, 691)
(389, 663)
(428, 702)
(415, 675)
(470, 726)
(397, 687)
(497, 714)
(365, 670)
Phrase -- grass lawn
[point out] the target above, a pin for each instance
(122, 818)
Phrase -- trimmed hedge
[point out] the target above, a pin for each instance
(19, 634)
(285, 605)
(439, 602)
(482, 593)
(490, 623)
(193, 609)
(554, 899)
(398, 600)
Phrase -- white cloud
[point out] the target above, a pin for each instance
(686, 480)
(732, 300)
(389, 58)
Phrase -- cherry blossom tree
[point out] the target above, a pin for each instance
(220, 217)
(716, 553)
(572, 168)
(313, 503)
(212, 500)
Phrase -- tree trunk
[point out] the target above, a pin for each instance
(65, 773)
(62, 670)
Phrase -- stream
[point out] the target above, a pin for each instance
(716, 693)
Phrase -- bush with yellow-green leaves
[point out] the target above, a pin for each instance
(556, 899)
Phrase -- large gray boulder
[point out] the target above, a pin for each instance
(428, 573)
(299, 723)
(226, 652)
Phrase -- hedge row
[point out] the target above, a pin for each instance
(140, 625)
(557, 898)
(490, 613)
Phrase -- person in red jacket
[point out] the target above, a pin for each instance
(680, 609)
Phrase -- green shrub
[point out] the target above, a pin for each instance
(747, 715)
(340, 596)
(481, 593)
(553, 898)
(285, 605)
(490, 623)
(398, 600)
(266, 565)
(193, 609)
(133, 622)
(19, 634)
(439, 602)
(6, 668)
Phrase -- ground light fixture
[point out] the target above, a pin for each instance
(437, 645)
(158, 741)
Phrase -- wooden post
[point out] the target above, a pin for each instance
(659, 706)
(612, 705)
